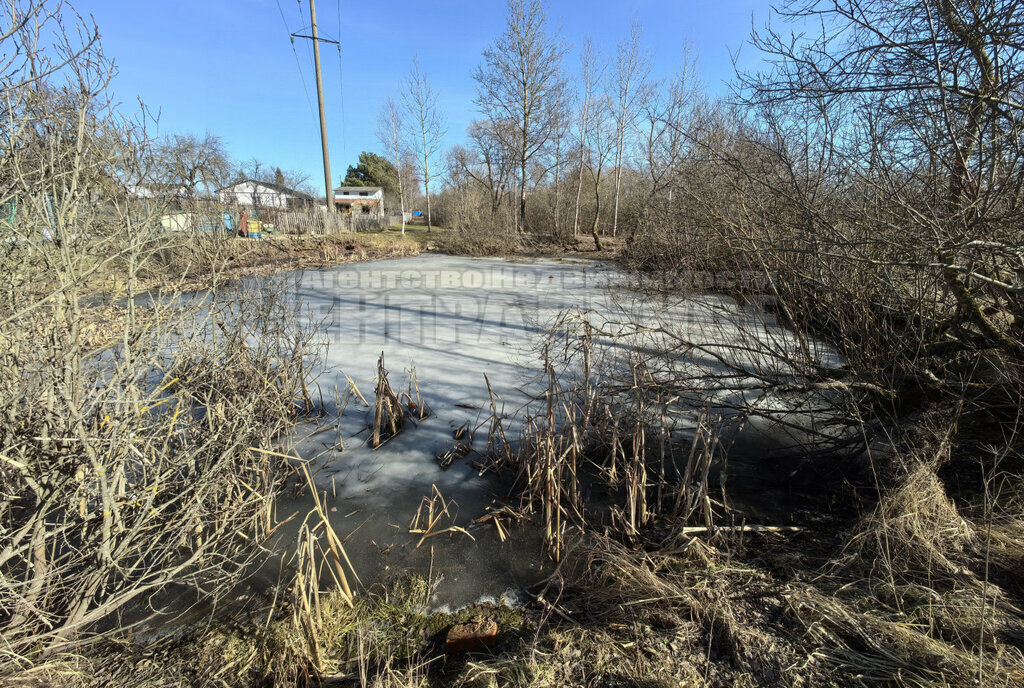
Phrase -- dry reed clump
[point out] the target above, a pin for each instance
(872, 650)
(913, 598)
(392, 409)
(603, 422)
(702, 615)
(434, 510)
(710, 614)
(914, 528)
(388, 412)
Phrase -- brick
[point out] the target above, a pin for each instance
(477, 634)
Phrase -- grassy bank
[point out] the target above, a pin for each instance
(764, 609)
(233, 257)
(186, 263)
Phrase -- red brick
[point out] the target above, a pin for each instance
(476, 634)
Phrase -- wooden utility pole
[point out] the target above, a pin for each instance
(320, 101)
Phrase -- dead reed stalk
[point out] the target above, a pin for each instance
(388, 413)
(587, 433)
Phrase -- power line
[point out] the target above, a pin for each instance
(298, 65)
(341, 89)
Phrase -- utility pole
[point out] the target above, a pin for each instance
(320, 101)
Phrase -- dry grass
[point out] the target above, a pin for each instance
(760, 610)
(603, 422)
(198, 258)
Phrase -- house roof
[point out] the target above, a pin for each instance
(270, 185)
(344, 189)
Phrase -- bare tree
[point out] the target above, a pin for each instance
(390, 127)
(253, 168)
(190, 160)
(591, 74)
(521, 83)
(425, 125)
(601, 142)
(632, 67)
(560, 139)
(489, 161)
(300, 181)
(908, 117)
(666, 113)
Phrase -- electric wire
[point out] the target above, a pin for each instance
(341, 89)
(298, 65)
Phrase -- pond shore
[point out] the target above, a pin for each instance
(729, 605)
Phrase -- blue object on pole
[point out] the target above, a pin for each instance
(227, 221)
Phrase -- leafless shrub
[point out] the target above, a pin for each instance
(472, 230)
(132, 473)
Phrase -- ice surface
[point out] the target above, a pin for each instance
(450, 321)
(453, 320)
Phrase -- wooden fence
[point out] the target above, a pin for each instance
(312, 222)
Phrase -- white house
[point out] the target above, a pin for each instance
(155, 190)
(366, 201)
(253, 193)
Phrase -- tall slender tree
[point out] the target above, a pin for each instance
(389, 132)
(559, 140)
(590, 74)
(601, 142)
(521, 82)
(424, 125)
(632, 68)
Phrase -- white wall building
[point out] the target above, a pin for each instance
(252, 193)
(365, 201)
(150, 191)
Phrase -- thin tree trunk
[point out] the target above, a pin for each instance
(522, 195)
(401, 199)
(618, 183)
(426, 173)
(426, 190)
(557, 170)
(579, 194)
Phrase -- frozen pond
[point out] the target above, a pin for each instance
(450, 321)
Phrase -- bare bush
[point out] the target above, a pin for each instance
(133, 470)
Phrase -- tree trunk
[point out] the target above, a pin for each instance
(579, 194)
(426, 190)
(401, 199)
(557, 170)
(618, 184)
(522, 197)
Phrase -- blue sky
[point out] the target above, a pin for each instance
(227, 66)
